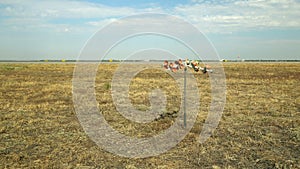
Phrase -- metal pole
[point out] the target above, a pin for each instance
(184, 98)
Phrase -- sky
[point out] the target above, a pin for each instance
(238, 29)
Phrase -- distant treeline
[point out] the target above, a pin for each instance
(261, 61)
(224, 60)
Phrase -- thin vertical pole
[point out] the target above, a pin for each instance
(184, 98)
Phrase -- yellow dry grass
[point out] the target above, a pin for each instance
(260, 126)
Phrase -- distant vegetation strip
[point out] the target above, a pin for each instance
(63, 60)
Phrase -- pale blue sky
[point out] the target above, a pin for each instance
(58, 29)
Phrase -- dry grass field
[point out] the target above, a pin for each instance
(260, 125)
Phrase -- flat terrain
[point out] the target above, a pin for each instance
(259, 128)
